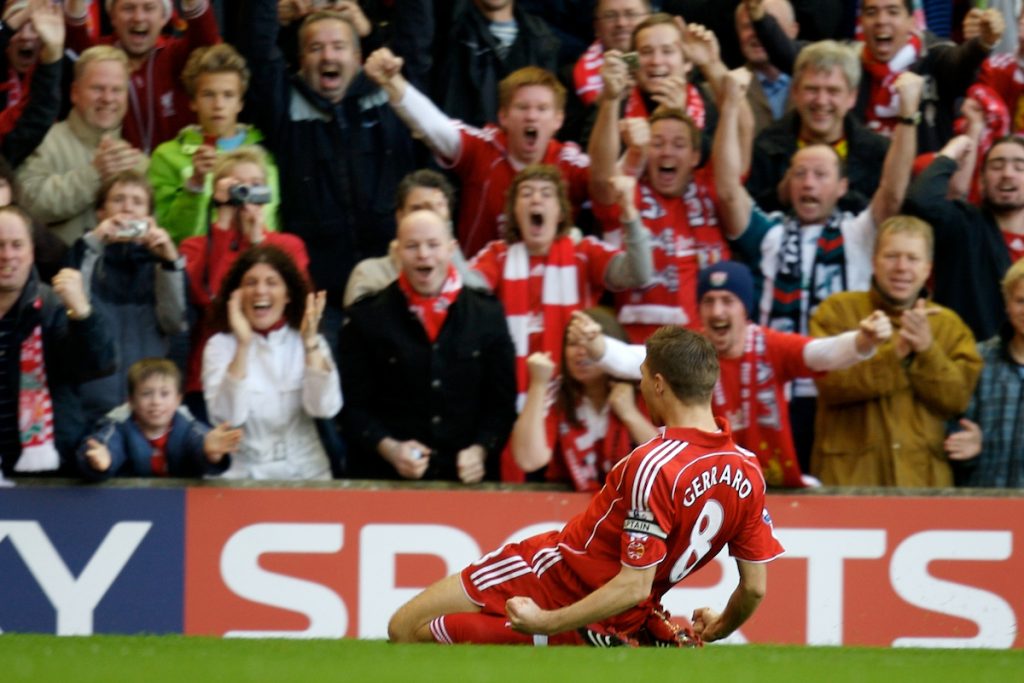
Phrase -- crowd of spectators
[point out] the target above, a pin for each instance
(415, 239)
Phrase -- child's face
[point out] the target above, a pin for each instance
(154, 402)
(217, 102)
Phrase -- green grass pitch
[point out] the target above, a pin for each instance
(155, 659)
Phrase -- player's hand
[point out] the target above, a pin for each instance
(469, 464)
(707, 624)
(525, 616)
(966, 443)
(97, 455)
(583, 330)
(220, 441)
(540, 367)
(874, 330)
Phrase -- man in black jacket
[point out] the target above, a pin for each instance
(824, 91)
(428, 369)
(974, 245)
(50, 340)
(340, 148)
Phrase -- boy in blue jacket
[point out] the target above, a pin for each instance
(152, 435)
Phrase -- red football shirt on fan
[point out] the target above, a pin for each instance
(674, 504)
(1003, 74)
(486, 172)
(685, 237)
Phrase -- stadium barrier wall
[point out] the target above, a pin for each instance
(933, 571)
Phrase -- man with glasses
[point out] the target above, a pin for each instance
(614, 21)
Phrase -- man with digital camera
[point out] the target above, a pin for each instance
(132, 272)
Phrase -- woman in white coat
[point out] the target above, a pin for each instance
(268, 370)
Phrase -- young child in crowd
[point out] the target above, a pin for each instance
(152, 435)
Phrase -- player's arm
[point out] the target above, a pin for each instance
(627, 589)
(711, 625)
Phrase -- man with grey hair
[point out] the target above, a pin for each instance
(826, 78)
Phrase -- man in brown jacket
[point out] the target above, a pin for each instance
(882, 422)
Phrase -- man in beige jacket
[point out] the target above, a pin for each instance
(60, 180)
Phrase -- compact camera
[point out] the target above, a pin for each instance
(248, 194)
(132, 229)
(632, 60)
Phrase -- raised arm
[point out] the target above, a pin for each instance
(529, 443)
(604, 145)
(422, 116)
(734, 202)
(849, 348)
(633, 267)
(899, 160)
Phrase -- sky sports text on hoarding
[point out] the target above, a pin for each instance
(932, 572)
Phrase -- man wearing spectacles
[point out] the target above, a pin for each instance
(614, 21)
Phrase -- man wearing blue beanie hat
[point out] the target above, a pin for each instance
(756, 363)
(729, 276)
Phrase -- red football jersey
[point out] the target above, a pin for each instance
(486, 172)
(674, 503)
(685, 237)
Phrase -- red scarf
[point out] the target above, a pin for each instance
(586, 75)
(35, 408)
(559, 299)
(635, 107)
(432, 310)
(884, 104)
(757, 422)
(158, 457)
(587, 462)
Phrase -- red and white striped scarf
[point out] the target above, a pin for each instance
(559, 298)
(35, 408)
(635, 107)
(884, 104)
(432, 311)
(586, 75)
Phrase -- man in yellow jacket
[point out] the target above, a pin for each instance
(882, 422)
